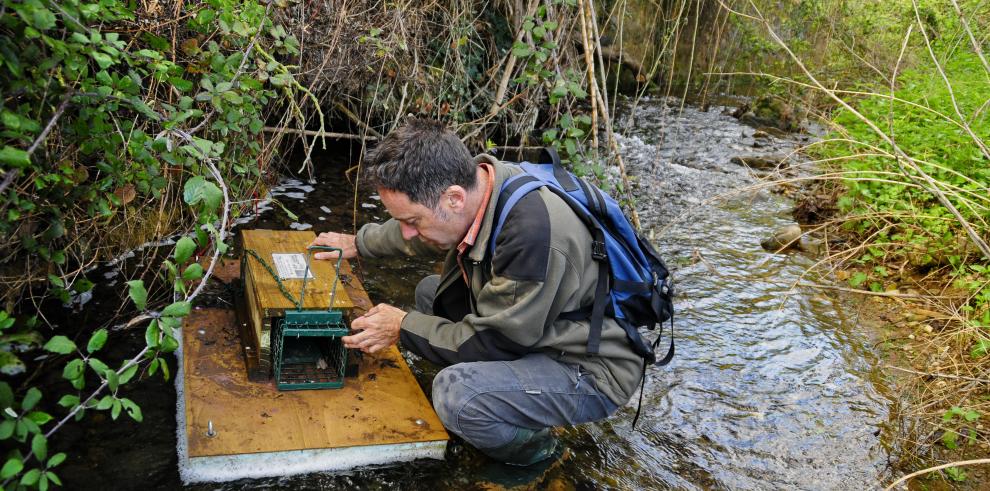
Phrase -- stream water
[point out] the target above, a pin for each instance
(773, 386)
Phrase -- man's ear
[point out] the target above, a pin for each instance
(454, 198)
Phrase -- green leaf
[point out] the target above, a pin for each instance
(132, 409)
(99, 367)
(184, 249)
(115, 410)
(56, 460)
(61, 345)
(949, 439)
(53, 478)
(521, 50)
(11, 468)
(137, 293)
(73, 370)
(55, 280)
(14, 157)
(956, 473)
(31, 399)
(69, 401)
(39, 445)
(102, 59)
(857, 279)
(128, 374)
(6, 428)
(152, 333)
(39, 417)
(177, 309)
(113, 380)
(169, 344)
(981, 349)
(198, 190)
(164, 367)
(104, 403)
(30, 478)
(193, 272)
(96, 341)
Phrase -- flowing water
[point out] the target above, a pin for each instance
(774, 386)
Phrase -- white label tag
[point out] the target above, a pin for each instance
(291, 266)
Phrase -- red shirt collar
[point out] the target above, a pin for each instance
(472, 234)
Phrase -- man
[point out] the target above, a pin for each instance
(514, 367)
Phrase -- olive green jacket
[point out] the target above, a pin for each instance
(541, 267)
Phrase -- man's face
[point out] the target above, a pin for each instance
(442, 228)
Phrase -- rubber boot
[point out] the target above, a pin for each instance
(526, 448)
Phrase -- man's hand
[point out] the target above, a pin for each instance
(345, 242)
(379, 329)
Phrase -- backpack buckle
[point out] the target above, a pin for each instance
(598, 252)
(663, 285)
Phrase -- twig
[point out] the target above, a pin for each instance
(960, 463)
(353, 117)
(940, 375)
(590, 62)
(318, 134)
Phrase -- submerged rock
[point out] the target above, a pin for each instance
(783, 238)
(769, 112)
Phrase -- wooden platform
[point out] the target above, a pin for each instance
(380, 416)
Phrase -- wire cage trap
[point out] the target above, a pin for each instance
(307, 351)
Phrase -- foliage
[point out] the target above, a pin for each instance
(904, 222)
(104, 117)
(850, 44)
(955, 420)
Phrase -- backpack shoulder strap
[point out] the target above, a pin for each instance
(559, 172)
(513, 190)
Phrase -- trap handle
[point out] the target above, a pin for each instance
(336, 278)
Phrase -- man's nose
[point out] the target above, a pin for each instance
(408, 231)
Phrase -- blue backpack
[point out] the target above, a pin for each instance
(634, 285)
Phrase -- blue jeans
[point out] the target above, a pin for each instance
(487, 402)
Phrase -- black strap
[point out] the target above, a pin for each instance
(597, 208)
(666, 359)
(602, 297)
(670, 350)
(642, 389)
(561, 174)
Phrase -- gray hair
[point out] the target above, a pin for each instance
(421, 159)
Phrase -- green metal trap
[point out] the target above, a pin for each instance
(307, 349)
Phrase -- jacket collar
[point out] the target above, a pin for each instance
(502, 172)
